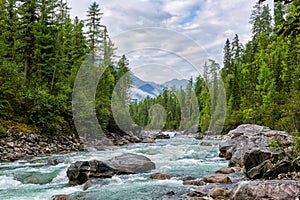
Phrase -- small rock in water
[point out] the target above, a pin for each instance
(188, 178)
(160, 176)
(205, 144)
(217, 178)
(148, 140)
(219, 192)
(61, 197)
(225, 170)
(170, 193)
(194, 183)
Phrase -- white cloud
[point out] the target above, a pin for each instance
(206, 23)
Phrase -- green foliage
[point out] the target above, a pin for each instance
(41, 51)
(275, 144)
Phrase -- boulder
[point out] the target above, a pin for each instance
(194, 183)
(271, 189)
(259, 171)
(225, 170)
(161, 135)
(281, 167)
(81, 171)
(253, 158)
(148, 140)
(247, 137)
(35, 177)
(217, 178)
(219, 192)
(61, 197)
(56, 161)
(193, 130)
(160, 176)
(206, 144)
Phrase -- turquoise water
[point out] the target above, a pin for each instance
(178, 156)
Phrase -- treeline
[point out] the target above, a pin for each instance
(41, 51)
(261, 79)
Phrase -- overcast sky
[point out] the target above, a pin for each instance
(166, 39)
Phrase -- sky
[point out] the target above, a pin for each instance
(167, 39)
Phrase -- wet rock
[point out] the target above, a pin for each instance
(259, 171)
(148, 140)
(207, 144)
(281, 167)
(192, 130)
(271, 189)
(219, 192)
(217, 178)
(81, 171)
(61, 197)
(119, 143)
(188, 178)
(170, 193)
(160, 176)
(247, 137)
(56, 161)
(95, 183)
(161, 136)
(35, 177)
(198, 195)
(225, 170)
(255, 157)
(194, 183)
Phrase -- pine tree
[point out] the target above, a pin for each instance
(95, 29)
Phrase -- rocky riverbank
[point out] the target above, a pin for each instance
(18, 146)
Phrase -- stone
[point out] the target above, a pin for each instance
(192, 130)
(95, 182)
(119, 143)
(160, 176)
(81, 171)
(219, 192)
(35, 177)
(170, 193)
(259, 171)
(61, 197)
(205, 144)
(161, 136)
(248, 137)
(217, 178)
(268, 189)
(255, 157)
(56, 161)
(225, 170)
(194, 183)
(281, 167)
(148, 140)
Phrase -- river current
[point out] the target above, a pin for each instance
(180, 156)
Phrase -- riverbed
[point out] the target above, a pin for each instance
(179, 156)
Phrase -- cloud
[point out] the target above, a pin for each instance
(200, 28)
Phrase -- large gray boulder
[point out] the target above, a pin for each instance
(272, 189)
(248, 137)
(81, 171)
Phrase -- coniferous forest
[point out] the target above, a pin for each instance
(261, 78)
(42, 48)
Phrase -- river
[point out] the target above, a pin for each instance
(179, 156)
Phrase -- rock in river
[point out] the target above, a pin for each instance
(272, 189)
(81, 171)
(247, 137)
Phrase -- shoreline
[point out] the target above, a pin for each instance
(23, 146)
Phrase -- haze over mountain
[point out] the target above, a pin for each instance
(141, 89)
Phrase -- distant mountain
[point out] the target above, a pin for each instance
(141, 89)
(177, 83)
